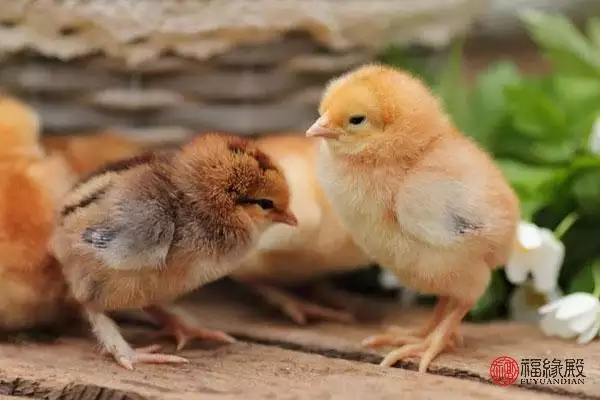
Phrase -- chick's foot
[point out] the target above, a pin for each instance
(396, 335)
(113, 343)
(443, 337)
(299, 310)
(146, 355)
(183, 331)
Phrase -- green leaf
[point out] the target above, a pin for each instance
(585, 163)
(535, 185)
(586, 190)
(488, 106)
(401, 57)
(551, 215)
(582, 247)
(560, 40)
(576, 91)
(583, 281)
(593, 32)
(534, 112)
(453, 91)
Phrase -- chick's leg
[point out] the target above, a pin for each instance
(439, 339)
(298, 310)
(339, 299)
(397, 336)
(113, 343)
(183, 330)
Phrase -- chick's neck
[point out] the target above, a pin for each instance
(206, 216)
(392, 148)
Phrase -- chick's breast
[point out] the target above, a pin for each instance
(319, 244)
(409, 222)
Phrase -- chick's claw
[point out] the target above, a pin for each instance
(390, 339)
(174, 325)
(184, 333)
(443, 337)
(427, 349)
(396, 336)
(148, 358)
(145, 355)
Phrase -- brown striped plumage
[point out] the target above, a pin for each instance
(138, 233)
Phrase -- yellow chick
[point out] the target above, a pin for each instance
(32, 292)
(418, 196)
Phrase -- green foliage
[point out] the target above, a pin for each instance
(537, 128)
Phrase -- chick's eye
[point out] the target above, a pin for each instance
(356, 119)
(265, 204)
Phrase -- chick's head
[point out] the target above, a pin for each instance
(371, 103)
(234, 174)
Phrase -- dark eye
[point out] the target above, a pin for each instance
(356, 119)
(265, 204)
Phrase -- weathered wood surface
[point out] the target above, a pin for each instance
(241, 371)
(245, 318)
(277, 360)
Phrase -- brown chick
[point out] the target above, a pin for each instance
(287, 257)
(32, 290)
(88, 152)
(416, 195)
(141, 232)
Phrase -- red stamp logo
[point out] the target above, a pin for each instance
(504, 371)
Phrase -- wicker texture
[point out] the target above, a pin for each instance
(244, 66)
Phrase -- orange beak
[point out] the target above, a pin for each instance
(286, 217)
(322, 128)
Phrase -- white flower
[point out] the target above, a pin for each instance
(525, 302)
(539, 253)
(594, 140)
(577, 314)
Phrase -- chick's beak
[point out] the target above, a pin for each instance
(286, 217)
(322, 128)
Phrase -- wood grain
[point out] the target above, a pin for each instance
(277, 360)
(241, 316)
(72, 369)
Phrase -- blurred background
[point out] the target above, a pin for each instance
(522, 77)
(172, 68)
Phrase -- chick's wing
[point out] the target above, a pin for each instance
(438, 211)
(135, 234)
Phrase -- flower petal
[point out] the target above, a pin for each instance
(577, 304)
(528, 236)
(591, 333)
(549, 258)
(554, 327)
(583, 322)
(550, 307)
(549, 325)
(518, 267)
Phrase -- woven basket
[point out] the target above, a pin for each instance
(170, 68)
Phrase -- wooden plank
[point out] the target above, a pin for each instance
(70, 368)
(241, 315)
